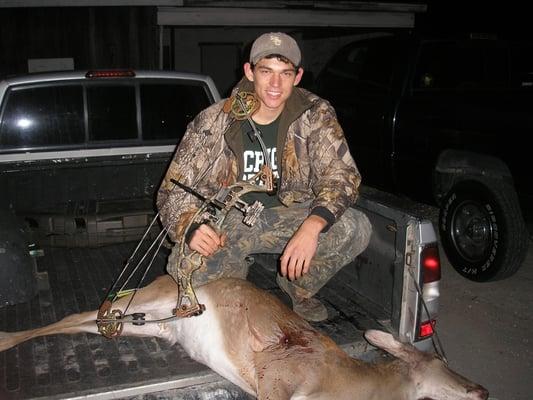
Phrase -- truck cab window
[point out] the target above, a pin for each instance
(361, 65)
(521, 61)
(168, 108)
(43, 116)
(449, 65)
(112, 112)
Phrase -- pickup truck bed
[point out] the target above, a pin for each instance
(367, 293)
(91, 366)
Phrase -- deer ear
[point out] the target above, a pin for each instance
(387, 342)
(381, 339)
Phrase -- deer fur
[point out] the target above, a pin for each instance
(251, 338)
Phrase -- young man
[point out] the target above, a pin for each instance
(308, 220)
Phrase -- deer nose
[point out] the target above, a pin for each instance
(479, 393)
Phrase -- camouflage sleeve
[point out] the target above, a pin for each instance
(177, 207)
(337, 178)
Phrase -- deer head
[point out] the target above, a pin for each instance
(430, 375)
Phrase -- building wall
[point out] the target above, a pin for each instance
(189, 49)
(94, 37)
(129, 37)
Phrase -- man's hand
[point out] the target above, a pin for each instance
(206, 241)
(301, 248)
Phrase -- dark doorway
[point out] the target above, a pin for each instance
(221, 61)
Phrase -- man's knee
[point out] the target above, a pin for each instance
(353, 232)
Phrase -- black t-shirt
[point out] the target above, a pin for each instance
(253, 159)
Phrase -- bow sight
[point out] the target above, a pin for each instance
(213, 211)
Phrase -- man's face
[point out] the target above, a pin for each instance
(273, 81)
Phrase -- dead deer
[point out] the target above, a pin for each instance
(251, 338)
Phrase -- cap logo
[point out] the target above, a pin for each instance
(275, 40)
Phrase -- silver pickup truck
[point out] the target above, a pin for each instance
(72, 213)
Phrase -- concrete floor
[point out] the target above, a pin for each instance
(486, 329)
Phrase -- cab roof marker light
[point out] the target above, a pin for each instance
(118, 73)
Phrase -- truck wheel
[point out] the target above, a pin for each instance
(482, 229)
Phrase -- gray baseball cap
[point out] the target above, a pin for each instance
(275, 43)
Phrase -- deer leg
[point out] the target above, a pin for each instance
(75, 323)
(155, 300)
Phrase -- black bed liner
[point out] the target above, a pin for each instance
(92, 367)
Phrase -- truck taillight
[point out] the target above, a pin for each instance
(431, 264)
(426, 329)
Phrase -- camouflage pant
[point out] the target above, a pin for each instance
(346, 239)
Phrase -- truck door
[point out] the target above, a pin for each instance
(458, 100)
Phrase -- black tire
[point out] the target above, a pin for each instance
(482, 229)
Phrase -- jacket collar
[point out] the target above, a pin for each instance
(296, 105)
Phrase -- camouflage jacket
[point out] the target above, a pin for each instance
(315, 164)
